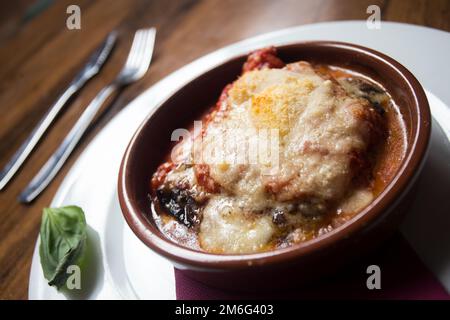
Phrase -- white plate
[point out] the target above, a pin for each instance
(126, 269)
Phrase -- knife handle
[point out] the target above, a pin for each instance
(31, 141)
(56, 161)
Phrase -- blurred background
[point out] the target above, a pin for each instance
(39, 56)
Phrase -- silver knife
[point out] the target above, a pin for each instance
(93, 66)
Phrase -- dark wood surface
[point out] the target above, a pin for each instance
(39, 56)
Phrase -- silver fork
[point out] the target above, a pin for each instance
(135, 67)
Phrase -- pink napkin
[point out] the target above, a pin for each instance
(403, 276)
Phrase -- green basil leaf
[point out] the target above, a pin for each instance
(63, 241)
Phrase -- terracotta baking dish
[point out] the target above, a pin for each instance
(299, 263)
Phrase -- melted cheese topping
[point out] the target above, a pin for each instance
(226, 229)
(318, 126)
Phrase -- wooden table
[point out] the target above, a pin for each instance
(39, 56)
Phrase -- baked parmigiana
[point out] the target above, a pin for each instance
(288, 153)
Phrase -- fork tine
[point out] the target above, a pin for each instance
(143, 51)
(135, 47)
(140, 55)
(150, 40)
(135, 54)
(145, 54)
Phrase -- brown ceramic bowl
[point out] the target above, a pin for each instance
(298, 263)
